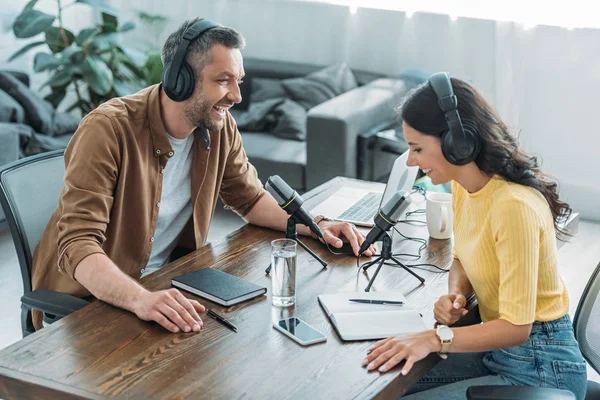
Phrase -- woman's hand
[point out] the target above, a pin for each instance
(389, 352)
(450, 308)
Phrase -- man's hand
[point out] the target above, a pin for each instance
(450, 308)
(170, 309)
(334, 231)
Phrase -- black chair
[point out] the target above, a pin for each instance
(587, 331)
(29, 192)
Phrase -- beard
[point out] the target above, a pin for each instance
(198, 113)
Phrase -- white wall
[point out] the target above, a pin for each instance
(544, 81)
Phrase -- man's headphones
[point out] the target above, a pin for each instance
(178, 77)
(460, 143)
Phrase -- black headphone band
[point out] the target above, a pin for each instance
(190, 34)
(447, 101)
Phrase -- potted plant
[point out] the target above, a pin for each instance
(93, 62)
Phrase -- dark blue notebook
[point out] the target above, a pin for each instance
(217, 286)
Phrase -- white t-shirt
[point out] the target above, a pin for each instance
(175, 207)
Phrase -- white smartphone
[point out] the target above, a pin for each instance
(299, 331)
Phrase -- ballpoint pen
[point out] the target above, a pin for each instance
(388, 302)
(222, 320)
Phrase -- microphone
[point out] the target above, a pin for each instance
(387, 217)
(291, 202)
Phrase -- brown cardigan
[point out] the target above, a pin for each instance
(113, 185)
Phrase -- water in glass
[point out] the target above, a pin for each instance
(283, 276)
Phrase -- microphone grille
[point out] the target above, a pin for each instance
(396, 206)
(280, 190)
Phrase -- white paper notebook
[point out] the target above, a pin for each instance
(357, 321)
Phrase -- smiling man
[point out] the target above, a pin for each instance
(143, 174)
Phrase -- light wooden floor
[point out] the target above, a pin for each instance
(577, 261)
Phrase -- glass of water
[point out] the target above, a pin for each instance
(283, 272)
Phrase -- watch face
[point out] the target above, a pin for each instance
(445, 333)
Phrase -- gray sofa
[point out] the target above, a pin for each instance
(332, 127)
(330, 148)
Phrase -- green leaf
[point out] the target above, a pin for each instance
(97, 74)
(25, 49)
(110, 23)
(61, 78)
(150, 18)
(124, 88)
(30, 5)
(32, 22)
(154, 69)
(82, 104)
(57, 95)
(100, 5)
(132, 69)
(86, 35)
(127, 26)
(58, 39)
(45, 61)
(136, 56)
(106, 41)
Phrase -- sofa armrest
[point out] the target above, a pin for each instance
(333, 127)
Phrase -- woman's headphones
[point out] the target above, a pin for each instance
(461, 142)
(178, 77)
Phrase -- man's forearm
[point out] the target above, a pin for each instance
(458, 282)
(267, 213)
(107, 282)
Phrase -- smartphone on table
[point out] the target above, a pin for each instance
(299, 331)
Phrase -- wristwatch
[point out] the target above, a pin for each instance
(445, 334)
(318, 219)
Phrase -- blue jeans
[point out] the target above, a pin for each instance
(549, 358)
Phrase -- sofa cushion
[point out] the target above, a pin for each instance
(39, 114)
(291, 120)
(265, 89)
(259, 117)
(320, 86)
(282, 117)
(272, 155)
(10, 109)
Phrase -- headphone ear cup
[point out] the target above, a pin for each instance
(184, 87)
(451, 149)
(472, 134)
(447, 146)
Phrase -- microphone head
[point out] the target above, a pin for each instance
(280, 190)
(396, 206)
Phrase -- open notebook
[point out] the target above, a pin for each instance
(356, 321)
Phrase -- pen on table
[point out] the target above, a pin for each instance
(222, 320)
(367, 301)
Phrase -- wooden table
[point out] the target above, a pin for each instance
(102, 351)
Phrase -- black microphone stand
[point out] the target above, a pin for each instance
(291, 234)
(386, 254)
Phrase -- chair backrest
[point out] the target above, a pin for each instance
(587, 321)
(29, 192)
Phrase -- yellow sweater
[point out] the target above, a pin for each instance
(504, 237)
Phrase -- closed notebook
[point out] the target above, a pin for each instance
(217, 286)
(357, 321)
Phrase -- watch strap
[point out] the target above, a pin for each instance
(318, 219)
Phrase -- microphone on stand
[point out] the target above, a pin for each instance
(291, 202)
(387, 217)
